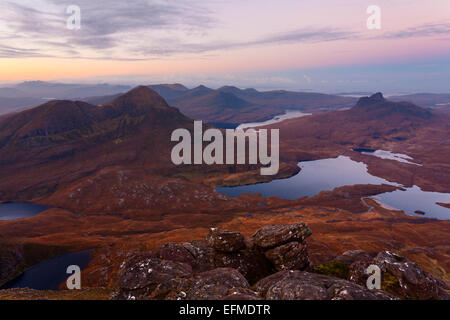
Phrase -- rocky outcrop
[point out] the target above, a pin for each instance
(222, 266)
(272, 236)
(284, 245)
(400, 276)
(175, 252)
(300, 285)
(143, 276)
(215, 284)
(272, 264)
(224, 240)
(290, 256)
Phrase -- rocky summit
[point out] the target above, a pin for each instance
(271, 264)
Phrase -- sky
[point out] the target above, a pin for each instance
(320, 45)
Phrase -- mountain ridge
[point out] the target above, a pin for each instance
(380, 107)
(61, 133)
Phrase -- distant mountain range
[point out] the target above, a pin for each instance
(33, 93)
(223, 107)
(229, 105)
(233, 105)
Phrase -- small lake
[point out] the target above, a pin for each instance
(414, 199)
(315, 176)
(18, 210)
(289, 114)
(327, 174)
(49, 274)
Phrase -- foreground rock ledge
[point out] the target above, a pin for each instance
(272, 264)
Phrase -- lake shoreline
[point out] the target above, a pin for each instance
(328, 174)
(38, 277)
(10, 210)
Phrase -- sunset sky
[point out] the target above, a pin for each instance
(320, 45)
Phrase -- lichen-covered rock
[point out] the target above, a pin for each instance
(290, 256)
(401, 277)
(175, 252)
(357, 271)
(413, 281)
(263, 285)
(224, 240)
(300, 285)
(203, 255)
(215, 284)
(276, 235)
(141, 275)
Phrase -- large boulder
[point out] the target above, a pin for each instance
(263, 285)
(140, 276)
(175, 252)
(224, 240)
(413, 281)
(272, 236)
(401, 277)
(203, 255)
(300, 285)
(215, 284)
(290, 256)
(223, 266)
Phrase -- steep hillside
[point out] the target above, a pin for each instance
(62, 141)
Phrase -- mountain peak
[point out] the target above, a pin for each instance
(378, 107)
(375, 98)
(141, 91)
(139, 100)
(202, 88)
